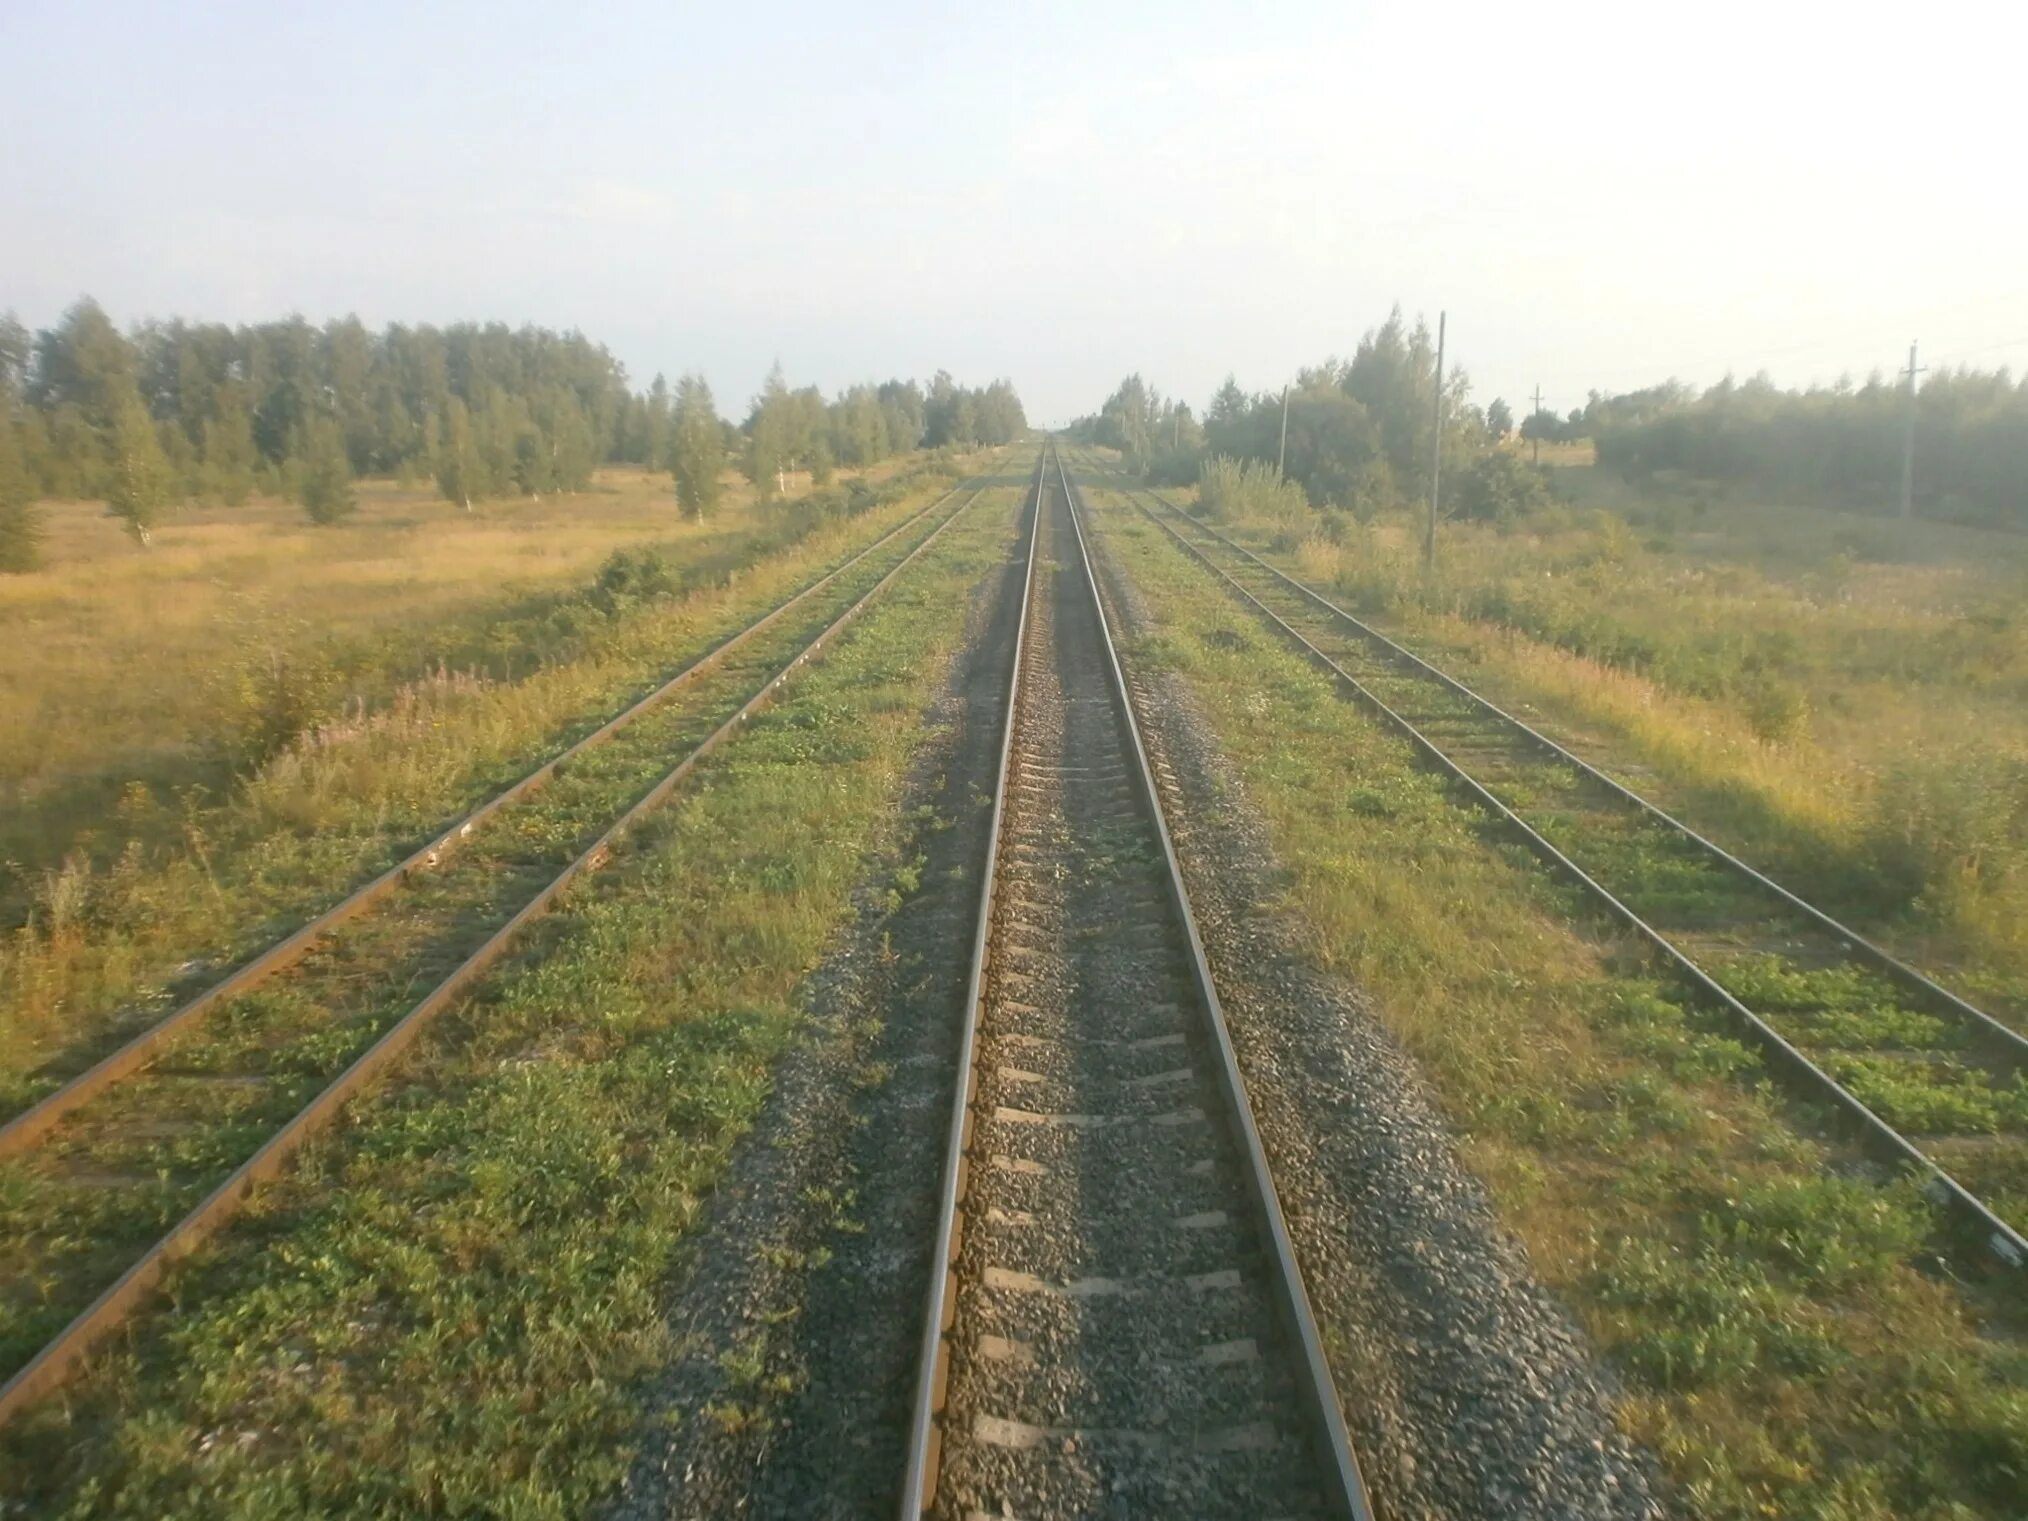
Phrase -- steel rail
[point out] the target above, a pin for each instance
(1343, 1485)
(22, 1132)
(1346, 1488)
(59, 1359)
(1999, 1238)
(933, 1362)
(2007, 1040)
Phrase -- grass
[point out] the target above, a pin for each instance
(1763, 1295)
(194, 883)
(172, 667)
(178, 1127)
(1839, 699)
(449, 1308)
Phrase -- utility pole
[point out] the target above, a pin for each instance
(1908, 444)
(1282, 459)
(1436, 451)
(1537, 440)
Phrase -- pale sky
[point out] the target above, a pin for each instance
(1600, 194)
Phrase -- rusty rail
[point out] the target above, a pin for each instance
(59, 1359)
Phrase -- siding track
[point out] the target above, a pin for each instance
(1923, 1076)
(1115, 1324)
(177, 1129)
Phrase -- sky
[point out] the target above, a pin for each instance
(1598, 195)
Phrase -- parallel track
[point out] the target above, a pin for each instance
(21, 1132)
(1115, 1324)
(1736, 936)
(107, 1152)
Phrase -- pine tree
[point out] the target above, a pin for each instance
(655, 426)
(138, 488)
(325, 488)
(696, 447)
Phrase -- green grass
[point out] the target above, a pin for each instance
(450, 1306)
(1762, 1294)
(201, 882)
(1840, 700)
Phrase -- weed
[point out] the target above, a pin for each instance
(1783, 1350)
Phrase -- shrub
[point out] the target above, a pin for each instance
(1500, 486)
(1251, 491)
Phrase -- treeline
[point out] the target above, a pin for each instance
(798, 430)
(1839, 446)
(1355, 435)
(177, 411)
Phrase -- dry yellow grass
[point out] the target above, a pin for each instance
(121, 664)
(1839, 698)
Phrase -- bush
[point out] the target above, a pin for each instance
(1175, 467)
(1500, 486)
(630, 576)
(1251, 491)
(20, 536)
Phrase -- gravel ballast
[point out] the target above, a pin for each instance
(797, 1322)
(1469, 1391)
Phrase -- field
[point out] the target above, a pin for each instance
(608, 1072)
(170, 667)
(1759, 1285)
(1839, 698)
(252, 782)
(644, 1214)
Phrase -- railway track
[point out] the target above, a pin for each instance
(1115, 1324)
(1923, 1076)
(138, 1161)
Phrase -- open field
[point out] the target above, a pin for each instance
(1758, 1286)
(191, 885)
(1838, 698)
(1562, 1243)
(166, 669)
(625, 1047)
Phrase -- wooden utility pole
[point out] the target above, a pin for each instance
(1282, 459)
(1908, 444)
(1436, 451)
(1536, 441)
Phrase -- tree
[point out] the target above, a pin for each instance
(20, 531)
(1228, 409)
(1500, 486)
(457, 461)
(696, 447)
(655, 426)
(771, 429)
(138, 487)
(229, 453)
(572, 453)
(325, 489)
(1499, 420)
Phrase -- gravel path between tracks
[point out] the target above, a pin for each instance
(1471, 1395)
(797, 1324)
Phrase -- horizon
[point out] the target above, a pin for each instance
(847, 201)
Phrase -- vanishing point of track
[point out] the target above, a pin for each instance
(206, 1116)
(1704, 912)
(1115, 1322)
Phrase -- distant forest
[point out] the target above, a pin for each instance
(1838, 447)
(170, 412)
(1358, 438)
